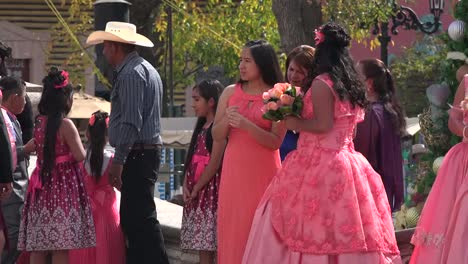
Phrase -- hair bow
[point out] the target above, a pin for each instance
(92, 120)
(65, 81)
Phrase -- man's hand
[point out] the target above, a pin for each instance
(5, 190)
(115, 175)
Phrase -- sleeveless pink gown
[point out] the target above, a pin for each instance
(248, 168)
(326, 205)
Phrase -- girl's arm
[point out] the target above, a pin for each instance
(270, 139)
(70, 134)
(220, 128)
(323, 102)
(455, 122)
(213, 166)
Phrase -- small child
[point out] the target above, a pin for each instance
(202, 176)
(57, 213)
(110, 247)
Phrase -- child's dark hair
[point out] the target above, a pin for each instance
(56, 102)
(97, 129)
(384, 87)
(266, 60)
(208, 89)
(332, 57)
(11, 85)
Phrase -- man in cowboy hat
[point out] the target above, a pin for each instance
(134, 131)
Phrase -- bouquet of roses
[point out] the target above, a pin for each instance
(282, 100)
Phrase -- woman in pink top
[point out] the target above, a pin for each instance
(326, 205)
(251, 158)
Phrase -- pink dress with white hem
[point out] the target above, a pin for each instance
(326, 205)
(442, 232)
(57, 212)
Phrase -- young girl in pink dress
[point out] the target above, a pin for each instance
(57, 214)
(442, 233)
(252, 157)
(326, 205)
(202, 176)
(110, 247)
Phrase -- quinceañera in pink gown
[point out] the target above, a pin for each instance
(326, 205)
(442, 233)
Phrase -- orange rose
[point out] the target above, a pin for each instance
(286, 99)
(281, 86)
(275, 93)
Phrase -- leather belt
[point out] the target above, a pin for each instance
(143, 146)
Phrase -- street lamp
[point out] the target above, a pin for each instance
(406, 17)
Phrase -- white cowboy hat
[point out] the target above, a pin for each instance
(119, 32)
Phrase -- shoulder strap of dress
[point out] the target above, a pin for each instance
(327, 80)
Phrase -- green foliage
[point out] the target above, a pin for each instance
(415, 70)
(214, 34)
(359, 17)
(438, 137)
(80, 22)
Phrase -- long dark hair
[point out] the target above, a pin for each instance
(97, 129)
(208, 89)
(304, 56)
(56, 102)
(266, 60)
(384, 87)
(332, 57)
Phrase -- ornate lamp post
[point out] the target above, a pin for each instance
(406, 17)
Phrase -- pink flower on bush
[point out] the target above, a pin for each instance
(286, 99)
(266, 96)
(272, 106)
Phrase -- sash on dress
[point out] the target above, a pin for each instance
(201, 162)
(35, 180)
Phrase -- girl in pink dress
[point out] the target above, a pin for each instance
(57, 214)
(202, 176)
(251, 158)
(442, 233)
(326, 205)
(110, 247)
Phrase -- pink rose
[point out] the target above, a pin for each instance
(266, 96)
(272, 106)
(464, 105)
(275, 93)
(286, 99)
(298, 90)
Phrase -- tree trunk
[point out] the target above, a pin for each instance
(297, 20)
